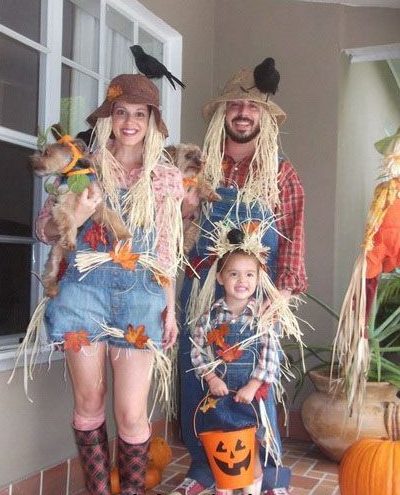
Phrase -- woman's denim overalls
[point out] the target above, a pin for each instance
(109, 294)
(191, 390)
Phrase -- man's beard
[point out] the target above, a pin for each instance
(239, 137)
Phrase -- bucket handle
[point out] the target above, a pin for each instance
(209, 395)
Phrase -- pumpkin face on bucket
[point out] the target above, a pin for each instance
(232, 456)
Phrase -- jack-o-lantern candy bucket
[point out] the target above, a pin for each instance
(229, 453)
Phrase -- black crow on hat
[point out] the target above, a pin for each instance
(151, 67)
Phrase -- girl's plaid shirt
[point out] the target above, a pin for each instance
(266, 367)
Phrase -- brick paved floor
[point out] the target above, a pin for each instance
(312, 472)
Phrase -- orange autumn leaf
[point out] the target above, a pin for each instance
(75, 340)
(124, 257)
(210, 403)
(114, 91)
(229, 354)
(251, 227)
(136, 336)
(189, 181)
(162, 280)
(216, 336)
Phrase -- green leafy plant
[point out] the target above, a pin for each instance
(383, 337)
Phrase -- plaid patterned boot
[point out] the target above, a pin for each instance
(95, 459)
(132, 460)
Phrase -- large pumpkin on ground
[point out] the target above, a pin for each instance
(371, 466)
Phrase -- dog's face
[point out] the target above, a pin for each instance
(188, 158)
(53, 158)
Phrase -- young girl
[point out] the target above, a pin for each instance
(233, 349)
(123, 306)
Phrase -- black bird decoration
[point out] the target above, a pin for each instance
(266, 77)
(151, 67)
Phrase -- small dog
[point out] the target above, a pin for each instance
(64, 159)
(188, 158)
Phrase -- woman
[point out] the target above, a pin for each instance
(124, 306)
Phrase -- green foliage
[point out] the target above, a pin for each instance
(383, 331)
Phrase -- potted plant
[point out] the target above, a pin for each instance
(325, 412)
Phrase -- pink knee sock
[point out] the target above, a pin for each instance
(136, 439)
(83, 423)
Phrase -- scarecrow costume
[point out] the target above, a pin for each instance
(114, 291)
(247, 346)
(260, 186)
(380, 254)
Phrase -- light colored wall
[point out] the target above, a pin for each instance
(194, 19)
(370, 104)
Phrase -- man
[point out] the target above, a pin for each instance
(242, 163)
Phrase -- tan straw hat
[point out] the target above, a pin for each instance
(242, 87)
(131, 88)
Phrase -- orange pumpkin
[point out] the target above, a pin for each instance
(153, 476)
(371, 466)
(160, 453)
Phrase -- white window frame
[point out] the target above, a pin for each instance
(50, 93)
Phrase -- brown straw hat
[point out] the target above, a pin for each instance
(242, 87)
(131, 88)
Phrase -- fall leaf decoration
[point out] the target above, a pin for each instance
(189, 182)
(210, 403)
(114, 91)
(124, 257)
(75, 340)
(136, 336)
(216, 336)
(250, 227)
(262, 392)
(97, 234)
(229, 353)
(162, 279)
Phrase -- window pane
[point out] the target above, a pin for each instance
(153, 47)
(19, 85)
(22, 16)
(119, 37)
(81, 32)
(78, 99)
(15, 289)
(16, 191)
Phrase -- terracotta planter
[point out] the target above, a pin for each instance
(326, 419)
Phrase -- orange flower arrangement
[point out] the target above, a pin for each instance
(113, 92)
(136, 336)
(75, 340)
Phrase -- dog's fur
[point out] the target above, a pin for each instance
(52, 160)
(188, 158)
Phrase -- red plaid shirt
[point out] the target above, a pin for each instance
(291, 273)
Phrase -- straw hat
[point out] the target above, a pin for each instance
(131, 88)
(242, 87)
(385, 146)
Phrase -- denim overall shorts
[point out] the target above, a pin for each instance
(108, 295)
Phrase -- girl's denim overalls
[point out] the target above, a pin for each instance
(191, 390)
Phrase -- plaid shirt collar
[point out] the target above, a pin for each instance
(249, 310)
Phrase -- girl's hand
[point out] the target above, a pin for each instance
(217, 386)
(170, 331)
(246, 394)
(87, 204)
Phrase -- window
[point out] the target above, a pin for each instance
(57, 57)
